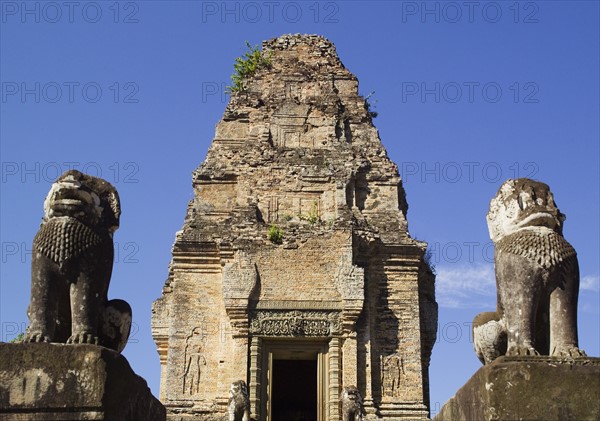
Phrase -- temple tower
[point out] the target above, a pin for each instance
(294, 269)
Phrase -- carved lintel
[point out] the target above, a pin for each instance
(296, 323)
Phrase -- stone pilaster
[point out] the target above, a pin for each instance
(334, 379)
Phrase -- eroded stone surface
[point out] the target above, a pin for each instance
(45, 382)
(297, 150)
(529, 389)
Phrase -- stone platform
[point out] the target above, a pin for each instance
(527, 389)
(72, 382)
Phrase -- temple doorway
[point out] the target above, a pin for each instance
(294, 390)
(296, 381)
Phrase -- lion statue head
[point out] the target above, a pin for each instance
(90, 200)
(238, 388)
(523, 203)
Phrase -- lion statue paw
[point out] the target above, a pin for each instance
(521, 351)
(567, 351)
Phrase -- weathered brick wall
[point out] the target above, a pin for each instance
(306, 273)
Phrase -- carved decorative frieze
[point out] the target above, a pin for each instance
(297, 305)
(296, 323)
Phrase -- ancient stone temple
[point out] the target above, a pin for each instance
(294, 270)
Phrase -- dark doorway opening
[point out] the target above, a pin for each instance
(294, 390)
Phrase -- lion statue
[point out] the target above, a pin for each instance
(71, 266)
(352, 405)
(537, 277)
(239, 402)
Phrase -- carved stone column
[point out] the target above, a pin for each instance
(255, 376)
(334, 379)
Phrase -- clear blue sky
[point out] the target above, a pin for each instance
(467, 96)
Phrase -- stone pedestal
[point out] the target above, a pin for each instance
(527, 389)
(42, 381)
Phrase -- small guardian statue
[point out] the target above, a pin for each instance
(71, 266)
(537, 277)
(352, 404)
(239, 402)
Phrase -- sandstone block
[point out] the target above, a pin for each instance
(42, 381)
(528, 389)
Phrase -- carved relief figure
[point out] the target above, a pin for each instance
(537, 277)
(352, 404)
(239, 402)
(393, 369)
(194, 362)
(72, 263)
